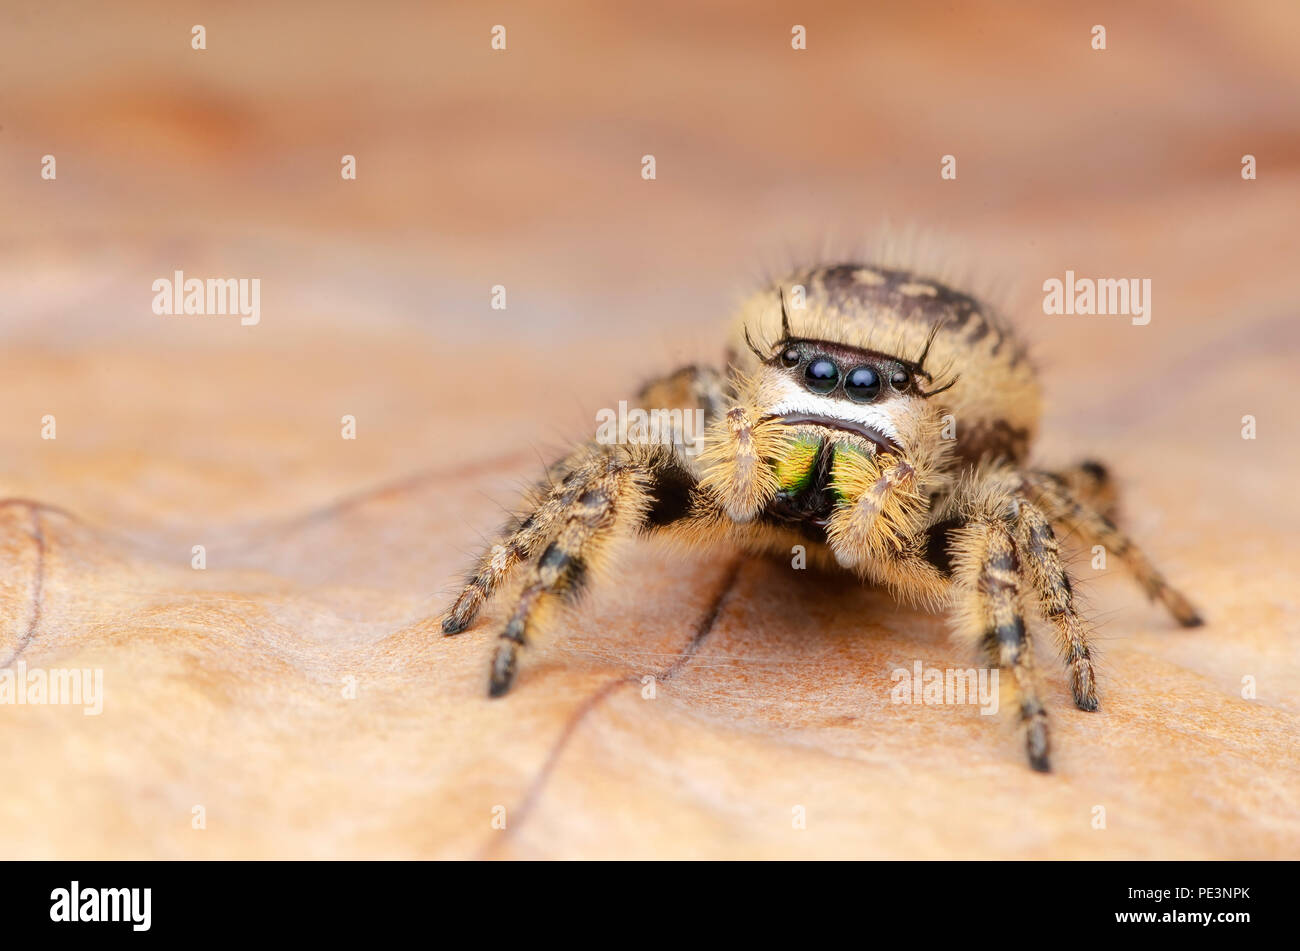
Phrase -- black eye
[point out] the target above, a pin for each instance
(790, 358)
(900, 380)
(862, 384)
(821, 375)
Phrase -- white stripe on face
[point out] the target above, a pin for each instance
(793, 398)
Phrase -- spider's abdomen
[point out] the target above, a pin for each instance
(994, 404)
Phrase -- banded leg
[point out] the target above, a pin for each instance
(688, 389)
(1038, 547)
(1090, 482)
(987, 607)
(611, 505)
(521, 538)
(1096, 529)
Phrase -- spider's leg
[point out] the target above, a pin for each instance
(1096, 529)
(986, 604)
(690, 387)
(687, 389)
(1090, 482)
(612, 505)
(520, 539)
(1038, 548)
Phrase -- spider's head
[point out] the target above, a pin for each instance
(873, 356)
(804, 382)
(818, 383)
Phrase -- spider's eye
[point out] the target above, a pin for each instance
(900, 380)
(790, 358)
(821, 375)
(862, 384)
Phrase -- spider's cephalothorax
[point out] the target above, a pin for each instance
(878, 418)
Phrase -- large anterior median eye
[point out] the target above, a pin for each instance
(862, 384)
(821, 375)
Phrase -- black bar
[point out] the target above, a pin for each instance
(924, 902)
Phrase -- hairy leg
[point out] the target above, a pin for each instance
(521, 537)
(1061, 506)
(524, 535)
(986, 607)
(983, 579)
(693, 387)
(1090, 482)
(1040, 552)
(611, 506)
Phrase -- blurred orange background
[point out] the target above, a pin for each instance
(522, 168)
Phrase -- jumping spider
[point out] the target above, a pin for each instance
(839, 436)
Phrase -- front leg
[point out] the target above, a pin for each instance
(1055, 597)
(688, 390)
(986, 609)
(521, 538)
(612, 506)
(638, 488)
(979, 577)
